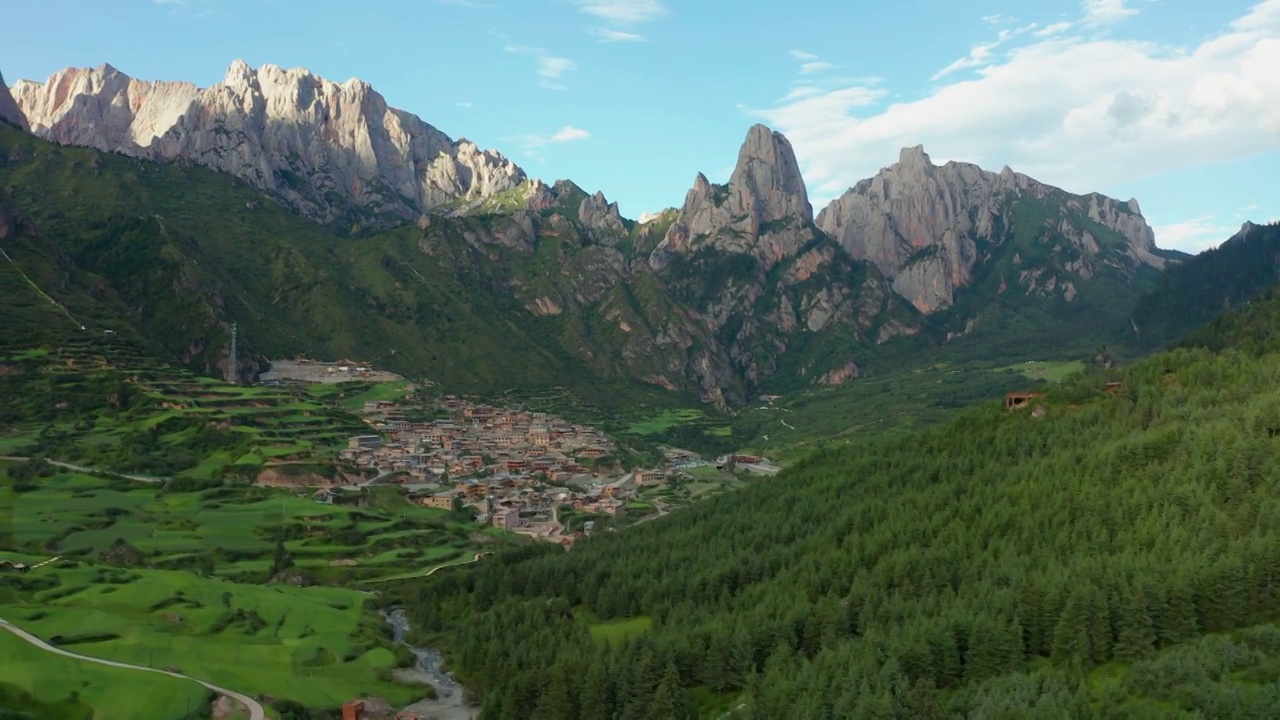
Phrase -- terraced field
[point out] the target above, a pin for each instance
(247, 587)
(247, 534)
(102, 402)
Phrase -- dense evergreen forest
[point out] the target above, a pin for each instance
(1195, 291)
(1116, 555)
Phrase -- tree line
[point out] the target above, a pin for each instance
(986, 568)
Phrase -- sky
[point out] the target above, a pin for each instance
(1173, 102)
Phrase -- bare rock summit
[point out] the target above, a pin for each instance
(334, 152)
(764, 209)
(922, 224)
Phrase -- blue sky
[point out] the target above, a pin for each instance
(1175, 102)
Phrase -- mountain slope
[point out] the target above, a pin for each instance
(335, 153)
(981, 570)
(995, 256)
(501, 279)
(9, 110)
(128, 245)
(1193, 292)
(775, 290)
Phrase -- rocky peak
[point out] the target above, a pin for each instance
(763, 210)
(600, 217)
(9, 110)
(918, 223)
(766, 183)
(331, 151)
(914, 156)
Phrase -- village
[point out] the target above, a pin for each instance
(514, 469)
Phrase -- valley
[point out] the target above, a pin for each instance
(311, 410)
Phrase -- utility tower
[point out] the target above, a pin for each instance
(231, 365)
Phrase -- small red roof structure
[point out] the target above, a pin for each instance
(352, 710)
(1016, 400)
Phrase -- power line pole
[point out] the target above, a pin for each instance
(231, 366)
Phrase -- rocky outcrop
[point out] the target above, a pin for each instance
(332, 151)
(9, 110)
(601, 218)
(759, 272)
(921, 224)
(764, 209)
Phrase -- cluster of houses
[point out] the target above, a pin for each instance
(512, 468)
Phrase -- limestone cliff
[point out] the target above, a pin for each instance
(335, 152)
(748, 259)
(922, 225)
(763, 211)
(9, 110)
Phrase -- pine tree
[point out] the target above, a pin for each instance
(670, 701)
(1137, 636)
(597, 692)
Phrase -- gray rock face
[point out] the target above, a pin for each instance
(792, 280)
(601, 218)
(9, 110)
(764, 210)
(919, 223)
(331, 151)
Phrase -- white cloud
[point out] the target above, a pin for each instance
(1080, 111)
(621, 17)
(1195, 235)
(464, 105)
(815, 66)
(569, 132)
(983, 54)
(1053, 29)
(548, 67)
(803, 56)
(553, 67)
(530, 143)
(1106, 12)
(623, 12)
(611, 35)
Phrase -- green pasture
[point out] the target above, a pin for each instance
(1052, 371)
(62, 688)
(618, 631)
(665, 420)
(237, 527)
(318, 646)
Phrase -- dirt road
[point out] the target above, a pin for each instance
(256, 711)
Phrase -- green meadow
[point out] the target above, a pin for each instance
(59, 688)
(246, 587)
(234, 531)
(317, 646)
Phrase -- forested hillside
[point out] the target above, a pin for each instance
(1106, 559)
(1193, 292)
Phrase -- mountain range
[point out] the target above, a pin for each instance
(439, 258)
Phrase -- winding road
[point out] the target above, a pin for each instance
(256, 711)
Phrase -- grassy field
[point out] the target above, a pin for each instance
(317, 646)
(100, 402)
(233, 531)
(1051, 371)
(239, 585)
(665, 420)
(60, 688)
(617, 631)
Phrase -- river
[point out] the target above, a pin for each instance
(449, 703)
